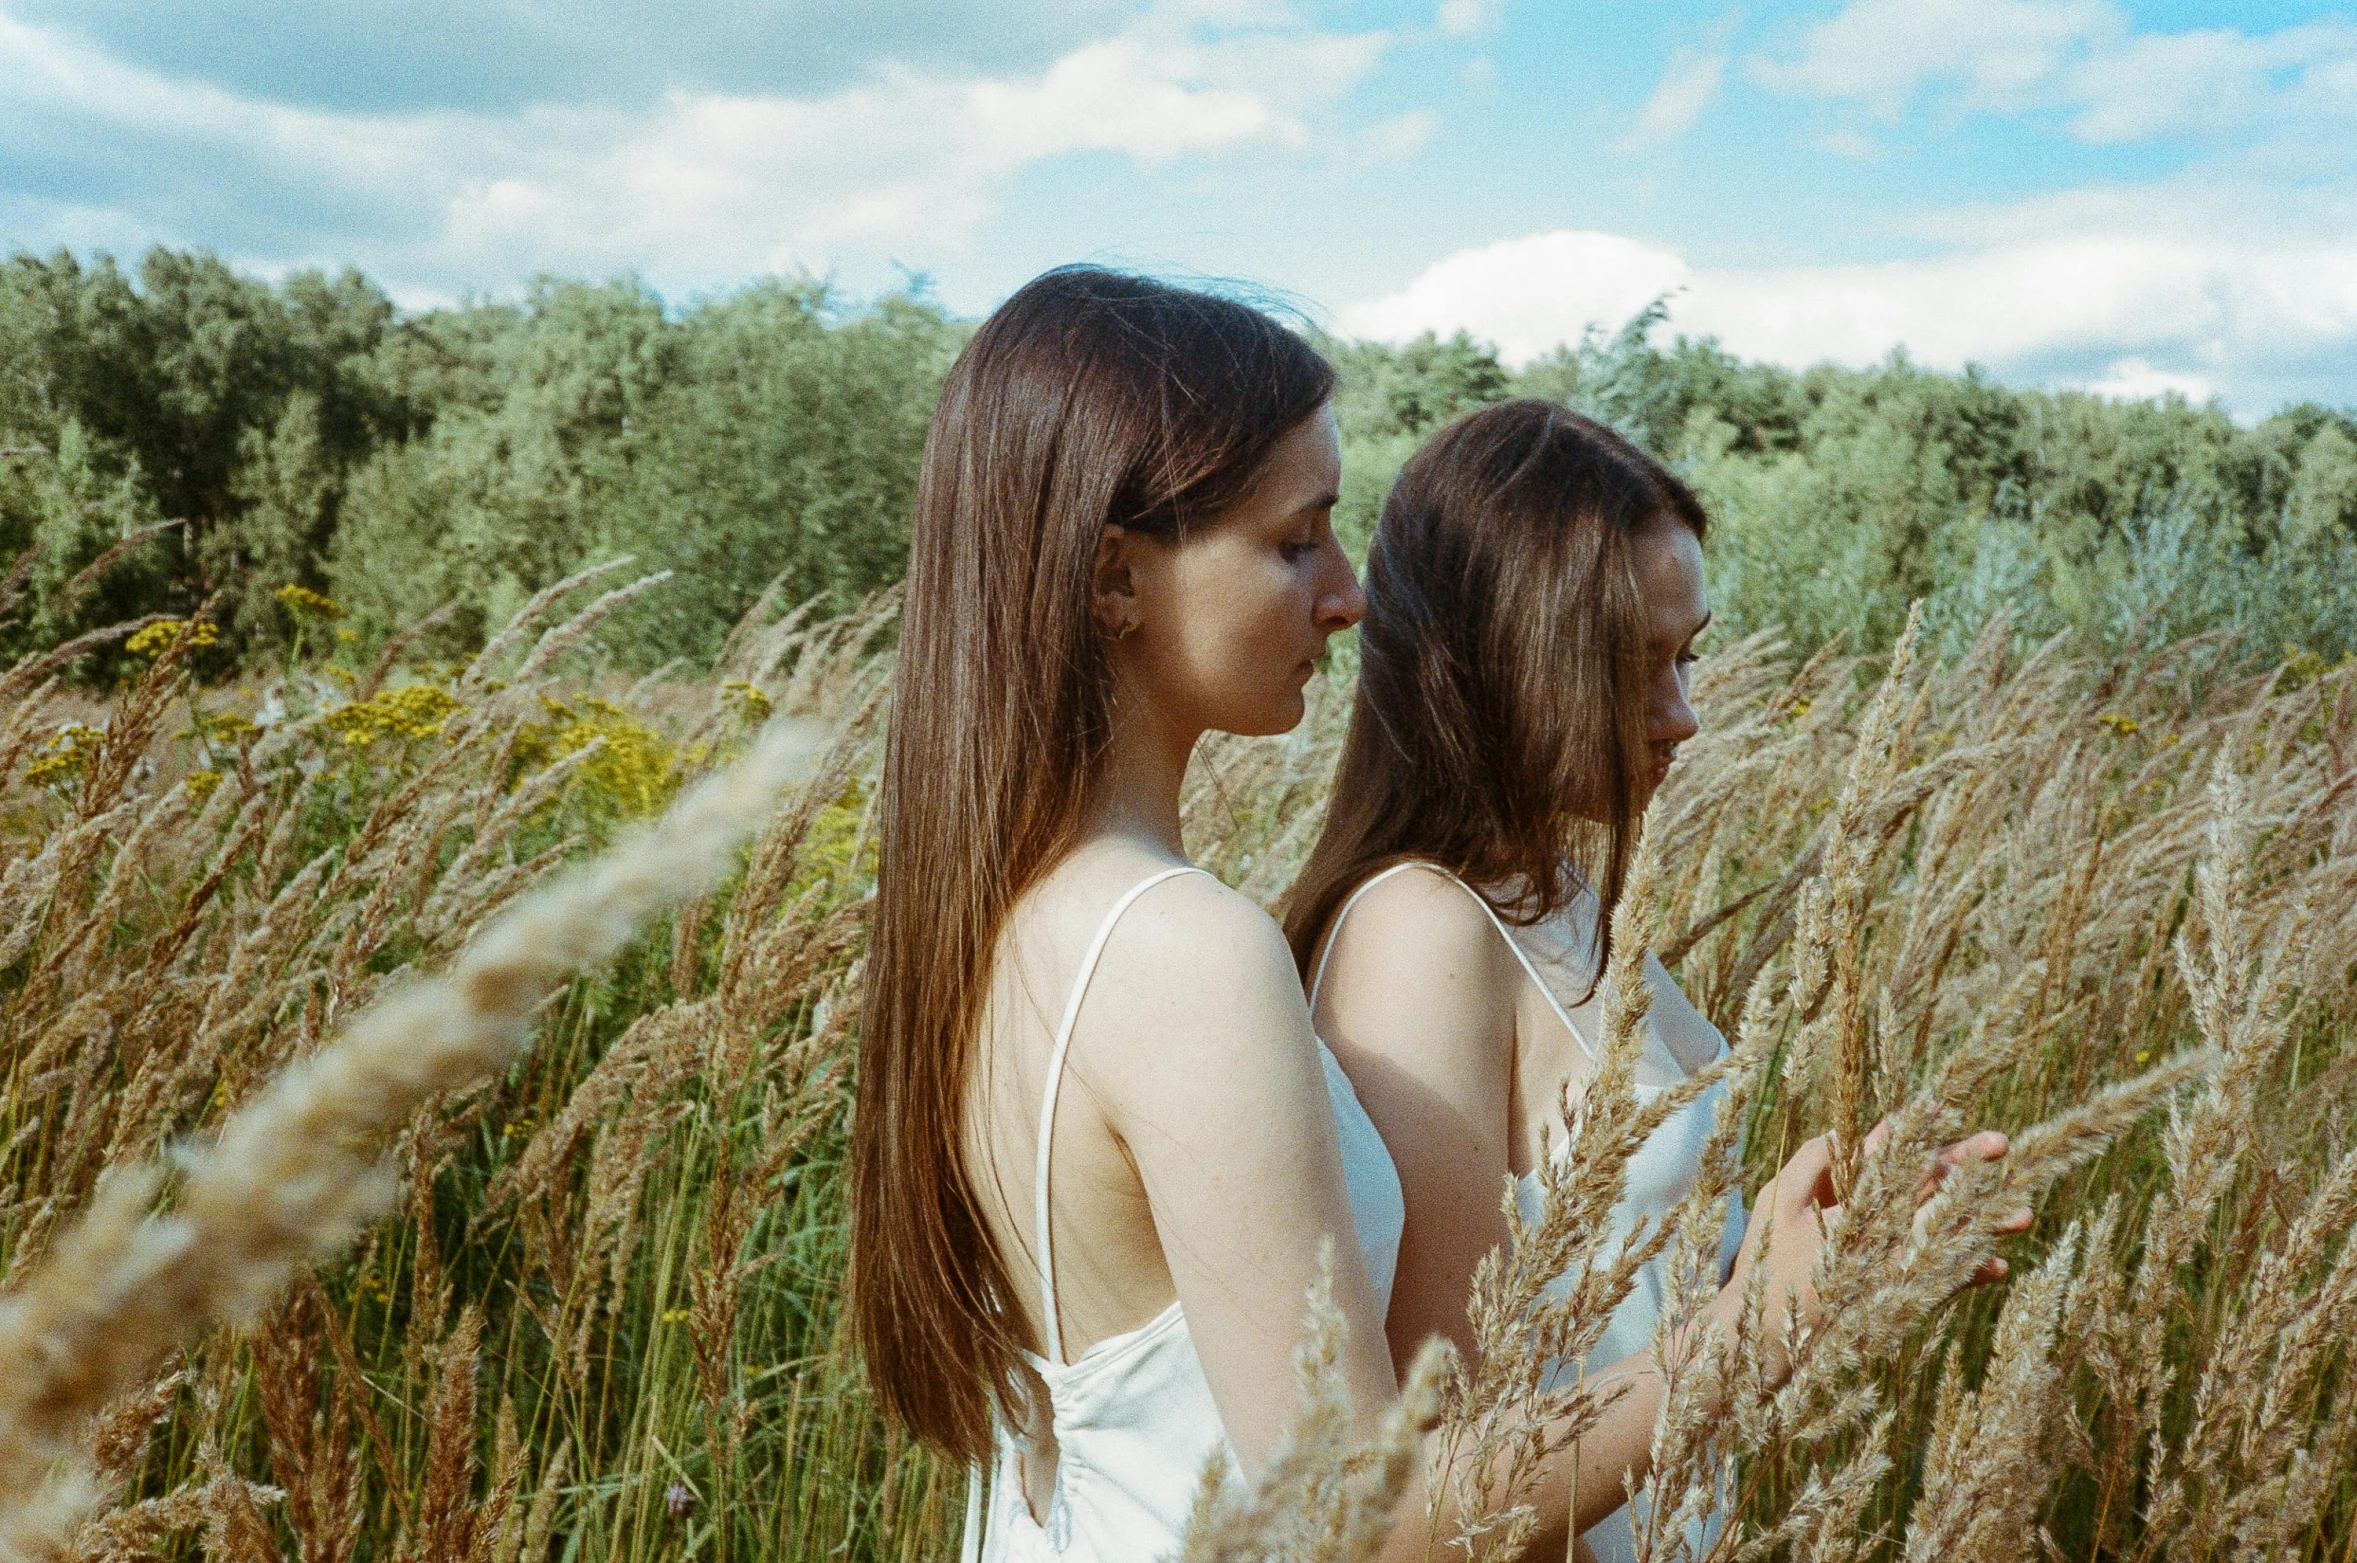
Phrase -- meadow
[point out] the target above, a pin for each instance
(325, 685)
(599, 1317)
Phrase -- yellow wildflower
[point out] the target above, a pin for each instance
(634, 774)
(747, 698)
(411, 711)
(227, 727)
(158, 637)
(65, 759)
(834, 833)
(2121, 724)
(304, 603)
(200, 784)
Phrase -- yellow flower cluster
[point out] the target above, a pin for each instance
(2120, 723)
(200, 784)
(635, 773)
(2302, 667)
(834, 836)
(66, 758)
(412, 711)
(158, 637)
(226, 728)
(747, 697)
(304, 603)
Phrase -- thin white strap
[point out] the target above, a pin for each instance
(1047, 1102)
(1546, 990)
(1317, 976)
(970, 1550)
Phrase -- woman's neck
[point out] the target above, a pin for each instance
(1145, 768)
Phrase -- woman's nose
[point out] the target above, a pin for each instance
(1674, 720)
(1343, 603)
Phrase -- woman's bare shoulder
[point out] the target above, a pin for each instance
(1412, 924)
(1419, 978)
(1195, 930)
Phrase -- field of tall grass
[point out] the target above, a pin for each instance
(434, 1299)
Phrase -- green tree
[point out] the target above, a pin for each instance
(787, 446)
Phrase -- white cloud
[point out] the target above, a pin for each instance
(1397, 137)
(703, 186)
(2135, 380)
(2217, 79)
(2080, 58)
(1526, 295)
(1881, 52)
(1689, 84)
(1854, 145)
(2240, 313)
(1463, 18)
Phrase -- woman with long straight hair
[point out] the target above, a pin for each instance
(1097, 1152)
(1534, 595)
(1097, 1149)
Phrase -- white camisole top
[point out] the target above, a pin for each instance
(1659, 1175)
(1133, 1416)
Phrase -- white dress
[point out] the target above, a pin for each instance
(1659, 1175)
(1133, 1417)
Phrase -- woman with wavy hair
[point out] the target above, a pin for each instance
(1098, 1150)
(1534, 591)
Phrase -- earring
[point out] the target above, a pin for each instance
(1128, 628)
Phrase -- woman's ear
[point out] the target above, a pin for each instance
(1113, 593)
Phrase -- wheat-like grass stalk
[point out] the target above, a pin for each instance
(2057, 925)
(295, 1172)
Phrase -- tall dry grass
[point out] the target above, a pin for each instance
(253, 935)
(2103, 905)
(2106, 906)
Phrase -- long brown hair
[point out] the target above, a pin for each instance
(1500, 726)
(1089, 398)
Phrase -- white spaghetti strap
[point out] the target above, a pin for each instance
(970, 1550)
(1047, 1103)
(1546, 990)
(1317, 976)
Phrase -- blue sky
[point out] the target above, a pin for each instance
(2134, 197)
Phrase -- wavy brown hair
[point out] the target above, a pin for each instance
(1089, 398)
(1499, 728)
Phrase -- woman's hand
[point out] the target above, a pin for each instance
(1789, 1221)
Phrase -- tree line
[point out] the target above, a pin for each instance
(245, 436)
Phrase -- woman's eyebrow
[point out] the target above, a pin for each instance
(1325, 501)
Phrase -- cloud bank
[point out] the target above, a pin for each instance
(2122, 313)
(698, 186)
(2080, 59)
(2235, 277)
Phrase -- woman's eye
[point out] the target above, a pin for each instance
(1298, 549)
(1687, 658)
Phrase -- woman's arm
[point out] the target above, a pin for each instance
(1197, 1043)
(1419, 1005)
